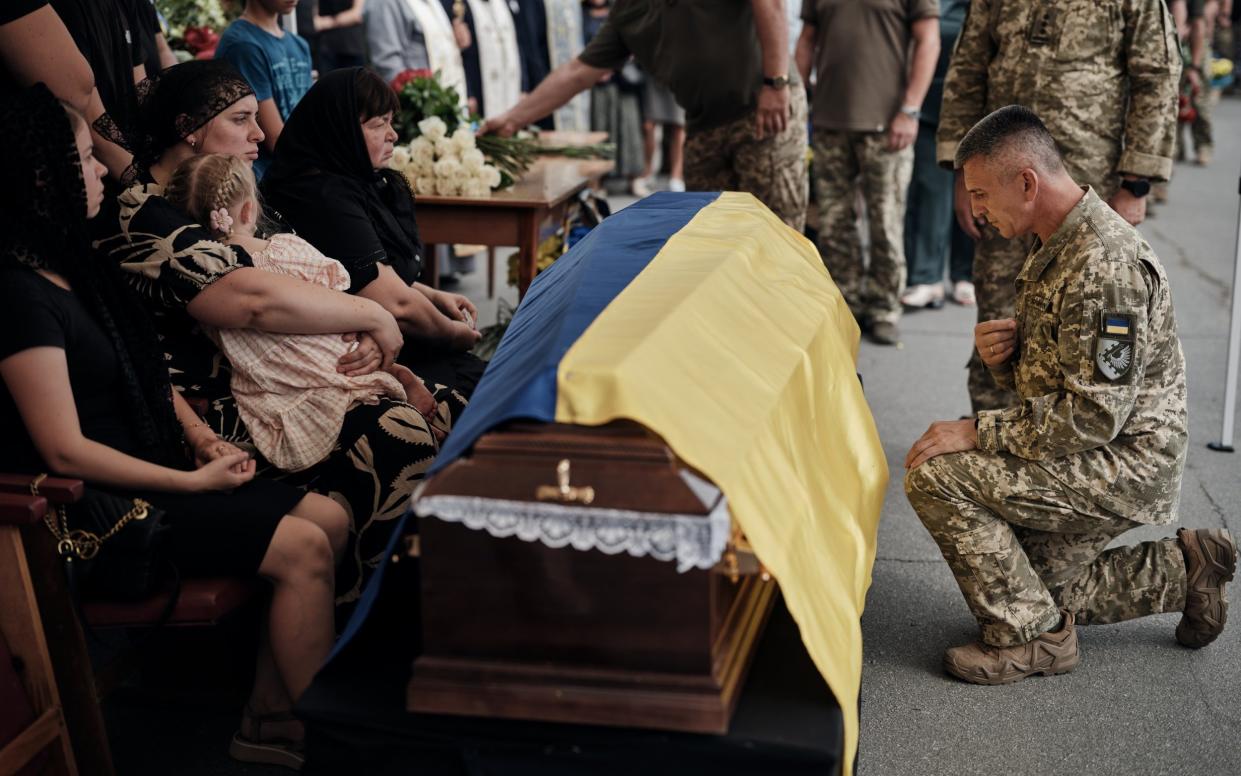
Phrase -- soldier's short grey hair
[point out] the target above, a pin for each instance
(1013, 129)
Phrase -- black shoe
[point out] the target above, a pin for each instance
(885, 333)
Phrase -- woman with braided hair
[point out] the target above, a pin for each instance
(189, 281)
(86, 394)
(287, 387)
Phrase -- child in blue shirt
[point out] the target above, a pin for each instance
(276, 63)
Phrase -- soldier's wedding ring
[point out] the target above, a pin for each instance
(991, 349)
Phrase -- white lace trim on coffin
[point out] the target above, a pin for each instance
(693, 541)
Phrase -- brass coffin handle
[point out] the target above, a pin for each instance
(564, 491)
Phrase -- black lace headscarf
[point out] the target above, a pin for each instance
(323, 140)
(180, 100)
(44, 202)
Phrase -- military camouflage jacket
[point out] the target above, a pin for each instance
(1102, 74)
(1099, 369)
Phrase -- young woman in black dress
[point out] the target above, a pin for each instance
(86, 394)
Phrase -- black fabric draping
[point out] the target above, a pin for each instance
(44, 202)
(323, 184)
(177, 101)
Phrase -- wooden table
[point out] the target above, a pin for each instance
(514, 216)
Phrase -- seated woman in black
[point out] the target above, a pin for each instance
(186, 280)
(330, 182)
(86, 394)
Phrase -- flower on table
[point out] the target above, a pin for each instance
(424, 186)
(473, 161)
(433, 128)
(463, 140)
(448, 167)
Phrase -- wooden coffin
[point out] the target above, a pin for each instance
(517, 629)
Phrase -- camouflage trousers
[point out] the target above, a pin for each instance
(730, 157)
(1022, 546)
(996, 264)
(1201, 128)
(844, 163)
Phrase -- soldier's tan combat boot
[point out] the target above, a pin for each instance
(1210, 562)
(1054, 652)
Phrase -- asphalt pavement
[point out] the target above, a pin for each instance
(1139, 703)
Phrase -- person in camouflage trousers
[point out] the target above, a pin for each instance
(1103, 74)
(735, 157)
(874, 63)
(1023, 500)
(843, 163)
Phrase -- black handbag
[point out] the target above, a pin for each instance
(110, 545)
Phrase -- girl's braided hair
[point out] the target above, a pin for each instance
(208, 182)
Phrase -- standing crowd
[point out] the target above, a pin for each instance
(212, 289)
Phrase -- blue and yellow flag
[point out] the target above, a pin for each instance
(706, 319)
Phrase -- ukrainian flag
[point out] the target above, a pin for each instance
(709, 321)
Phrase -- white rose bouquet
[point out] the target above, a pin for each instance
(438, 164)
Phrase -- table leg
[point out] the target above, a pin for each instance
(528, 248)
(431, 265)
(491, 272)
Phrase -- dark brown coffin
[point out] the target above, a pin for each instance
(515, 629)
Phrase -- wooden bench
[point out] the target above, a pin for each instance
(57, 639)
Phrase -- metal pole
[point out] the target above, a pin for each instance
(1234, 348)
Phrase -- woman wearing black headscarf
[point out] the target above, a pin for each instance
(185, 279)
(330, 181)
(86, 394)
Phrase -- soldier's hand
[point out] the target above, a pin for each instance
(996, 341)
(774, 107)
(501, 125)
(945, 436)
(961, 206)
(1131, 208)
(902, 131)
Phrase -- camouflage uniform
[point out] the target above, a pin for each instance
(839, 159)
(730, 158)
(1095, 445)
(1102, 74)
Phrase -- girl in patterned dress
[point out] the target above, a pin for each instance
(290, 390)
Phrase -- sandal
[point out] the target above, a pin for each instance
(267, 750)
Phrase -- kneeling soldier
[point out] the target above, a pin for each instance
(1023, 500)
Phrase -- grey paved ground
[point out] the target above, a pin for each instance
(1138, 704)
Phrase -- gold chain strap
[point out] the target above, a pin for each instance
(83, 544)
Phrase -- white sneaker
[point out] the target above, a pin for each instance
(924, 295)
(640, 187)
(963, 293)
(676, 184)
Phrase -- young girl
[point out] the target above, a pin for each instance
(85, 393)
(289, 390)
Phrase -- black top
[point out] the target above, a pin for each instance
(100, 28)
(342, 40)
(144, 24)
(16, 9)
(324, 186)
(168, 260)
(35, 312)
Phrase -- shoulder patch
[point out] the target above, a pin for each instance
(1114, 345)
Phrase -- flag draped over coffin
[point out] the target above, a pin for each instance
(707, 320)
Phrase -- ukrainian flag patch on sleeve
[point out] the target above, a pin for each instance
(1114, 345)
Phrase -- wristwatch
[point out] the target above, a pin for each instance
(911, 112)
(779, 82)
(1139, 187)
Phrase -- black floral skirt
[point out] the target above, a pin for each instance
(382, 453)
